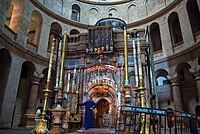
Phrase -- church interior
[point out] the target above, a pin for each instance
(132, 53)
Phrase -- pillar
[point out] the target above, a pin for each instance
(31, 108)
(196, 72)
(176, 91)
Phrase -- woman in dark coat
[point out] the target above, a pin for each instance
(89, 116)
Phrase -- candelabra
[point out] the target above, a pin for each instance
(126, 92)
(42, 123)
(139, 82)
(58, 111)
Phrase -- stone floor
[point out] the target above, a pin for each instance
(27, 131)
(15, 131)
(97, 131)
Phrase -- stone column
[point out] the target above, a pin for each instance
(31, 108)
(176, 91)
(196, 72)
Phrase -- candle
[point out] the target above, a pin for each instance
(68, 81)
(62, 60)
(58, 63)
(50, 63)
(135, 63)
(139, 62)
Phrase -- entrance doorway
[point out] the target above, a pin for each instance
(102, 115)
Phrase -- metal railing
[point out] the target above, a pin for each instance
(138, 120)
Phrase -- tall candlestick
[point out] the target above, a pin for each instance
(48, 79)
(42, 123)
(135, 64)
(139, 62)
(127, 94)
(58, 63)
(126, 81)
(62, 68)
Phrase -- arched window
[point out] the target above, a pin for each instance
(113, 12)
(161, 77)
(161, 80)
(155, 37)
(194, 16)
(74, 31)
(14, 13)
(132, 13)
(93, 16)
(183, 72)
(35, 28)
(21, 105)
(55, 32)
(75, 12)
(175, 29)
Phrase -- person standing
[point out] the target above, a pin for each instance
(38, 115)
(89, 116)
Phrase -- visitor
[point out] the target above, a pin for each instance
(38, 115)
(89, 116)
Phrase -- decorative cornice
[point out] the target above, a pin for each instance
(85, 26)
(105, 3)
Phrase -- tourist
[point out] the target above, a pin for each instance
(89, 116)
(38, 115)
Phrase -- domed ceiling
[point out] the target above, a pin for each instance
(105, 1)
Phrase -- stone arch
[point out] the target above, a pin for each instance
(55, 32)
(155, 37)
(187, 84)
(35, 27)
(93, 15)
(194, 15)
(132, 13)
(103, 108)
(74, 32)
(26, 76)
(14, 14)
(183, 72)
(175, 29)
(113, 11)
(110, 88)
(5, 63)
